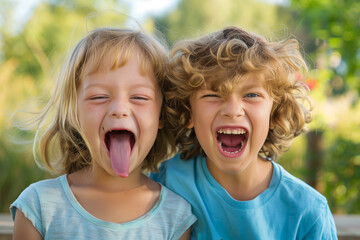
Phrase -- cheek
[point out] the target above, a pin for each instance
(82, 112)
(83, 119)
(202, 126)
(201, 114)
(90, 121)
(262, 125)
(148, 117)
(263, 119)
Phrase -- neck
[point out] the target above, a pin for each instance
(248, 184)
(99, 179)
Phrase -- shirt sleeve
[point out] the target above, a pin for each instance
(29, 204)
(180, 214)
(186, 224)
(324, 227)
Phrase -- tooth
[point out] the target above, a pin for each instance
(234, 131)
(241, 148)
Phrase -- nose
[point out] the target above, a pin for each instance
(233, 107)
(119, 108)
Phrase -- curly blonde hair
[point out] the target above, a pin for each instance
(218, 61)
(63, 147)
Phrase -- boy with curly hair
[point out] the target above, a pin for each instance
(237, 105)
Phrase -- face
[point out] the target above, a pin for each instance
(119, 115)
(232, 129)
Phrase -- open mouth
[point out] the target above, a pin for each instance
(232, 141)
(117, 137)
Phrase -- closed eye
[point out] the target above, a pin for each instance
(140, 98)
(98, 98)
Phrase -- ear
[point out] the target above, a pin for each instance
(190, 124)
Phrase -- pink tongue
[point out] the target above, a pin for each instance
(231, 140)
(120, 150)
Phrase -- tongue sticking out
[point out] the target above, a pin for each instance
(120, 149)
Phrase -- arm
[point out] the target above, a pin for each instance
(23, 228)
(186, 235)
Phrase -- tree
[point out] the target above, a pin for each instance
(197, 17)
(334, 25)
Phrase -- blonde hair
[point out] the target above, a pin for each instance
(63, 147)
(218, 61)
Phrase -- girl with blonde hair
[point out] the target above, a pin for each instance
(106, 127)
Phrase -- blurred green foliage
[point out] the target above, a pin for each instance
(332, 42)
(328, 32)
(197, 17)
(342, 175)
(336, 25)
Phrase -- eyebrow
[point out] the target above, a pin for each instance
(136, 86)
(251, 86)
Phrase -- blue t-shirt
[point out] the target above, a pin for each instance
(54, 211)
(287, 209)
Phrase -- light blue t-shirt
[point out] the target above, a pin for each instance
(54, 211)
(288, 209)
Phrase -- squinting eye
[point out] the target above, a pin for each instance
(210, 95)
(251, 95)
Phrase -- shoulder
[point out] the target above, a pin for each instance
(178, 175)
(37, 194)
(47, 184)
(168, 219)
(173, 200)
(315, 217)
(45, 187)
(33, 199)
(177, 162)
(174, 166)
(299, 190)
(177, 210)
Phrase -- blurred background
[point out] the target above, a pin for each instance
(36, 35)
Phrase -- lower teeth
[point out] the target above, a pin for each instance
(242, 146)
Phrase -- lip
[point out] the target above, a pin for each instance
(105, 138)
(235, 129)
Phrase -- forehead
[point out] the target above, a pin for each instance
(115, 58)
(128, 76)
(227, 84)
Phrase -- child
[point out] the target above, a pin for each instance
(237, 104)
(108, 102)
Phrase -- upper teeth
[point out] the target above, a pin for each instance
(233, 131)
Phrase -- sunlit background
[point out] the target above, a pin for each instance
(36, 35)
